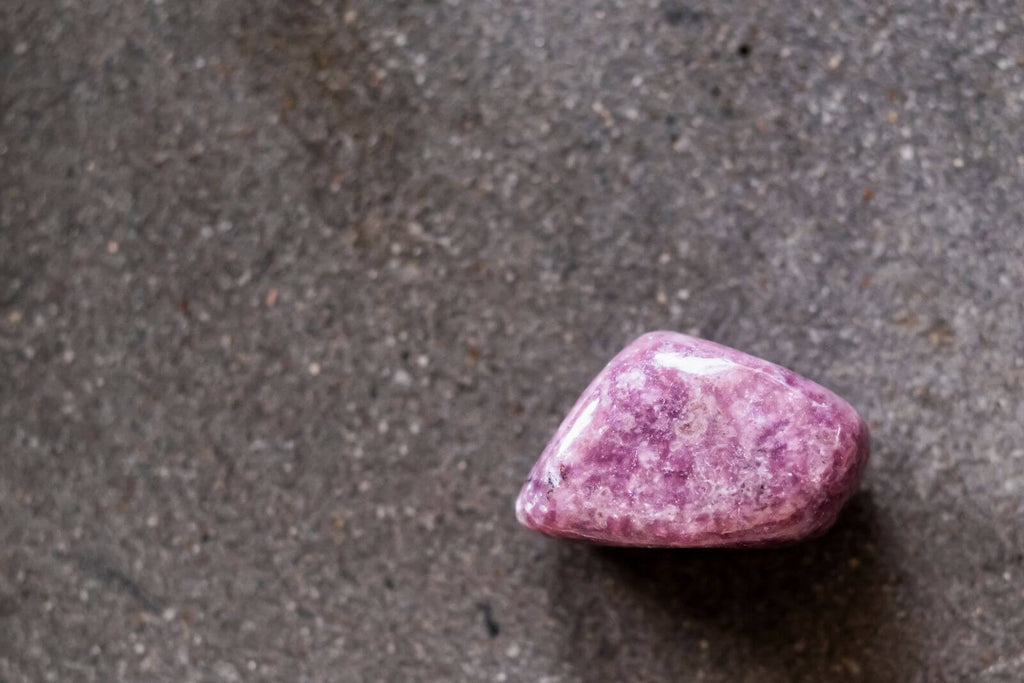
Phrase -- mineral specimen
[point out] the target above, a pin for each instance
(682, 442)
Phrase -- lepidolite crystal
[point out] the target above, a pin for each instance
(682, 442)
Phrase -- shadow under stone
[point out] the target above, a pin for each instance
(812, 611)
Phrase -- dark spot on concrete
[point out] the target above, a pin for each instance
(941, 333)
(673, 128)
(743, 50)
(264, 264)
(8, 606)
(490, 625)
(389, 583)
(112, 577)
(678, 14)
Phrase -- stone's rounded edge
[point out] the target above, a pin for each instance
(523, 505)
(519, 506)
(861, 457)
(862, 452)
(798, 381)
(708, 542)
(830, 508)
(529, 489)
(691, 343)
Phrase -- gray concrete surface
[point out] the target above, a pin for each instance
(293, 292)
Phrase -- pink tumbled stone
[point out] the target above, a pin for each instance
(681, 442)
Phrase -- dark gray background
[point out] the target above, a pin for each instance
(293, 292)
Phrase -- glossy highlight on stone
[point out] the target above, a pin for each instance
(682, 442)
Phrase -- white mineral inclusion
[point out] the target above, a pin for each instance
(693, 365)
(634, 379)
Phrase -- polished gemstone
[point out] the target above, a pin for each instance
(682, 442)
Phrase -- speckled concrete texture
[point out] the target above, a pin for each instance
(294, 292)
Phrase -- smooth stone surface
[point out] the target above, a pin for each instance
(683, 442)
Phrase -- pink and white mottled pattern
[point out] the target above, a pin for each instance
(686, 443)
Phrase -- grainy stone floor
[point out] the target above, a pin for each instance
(293, 292)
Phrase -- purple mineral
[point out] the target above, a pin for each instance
(681, 442)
